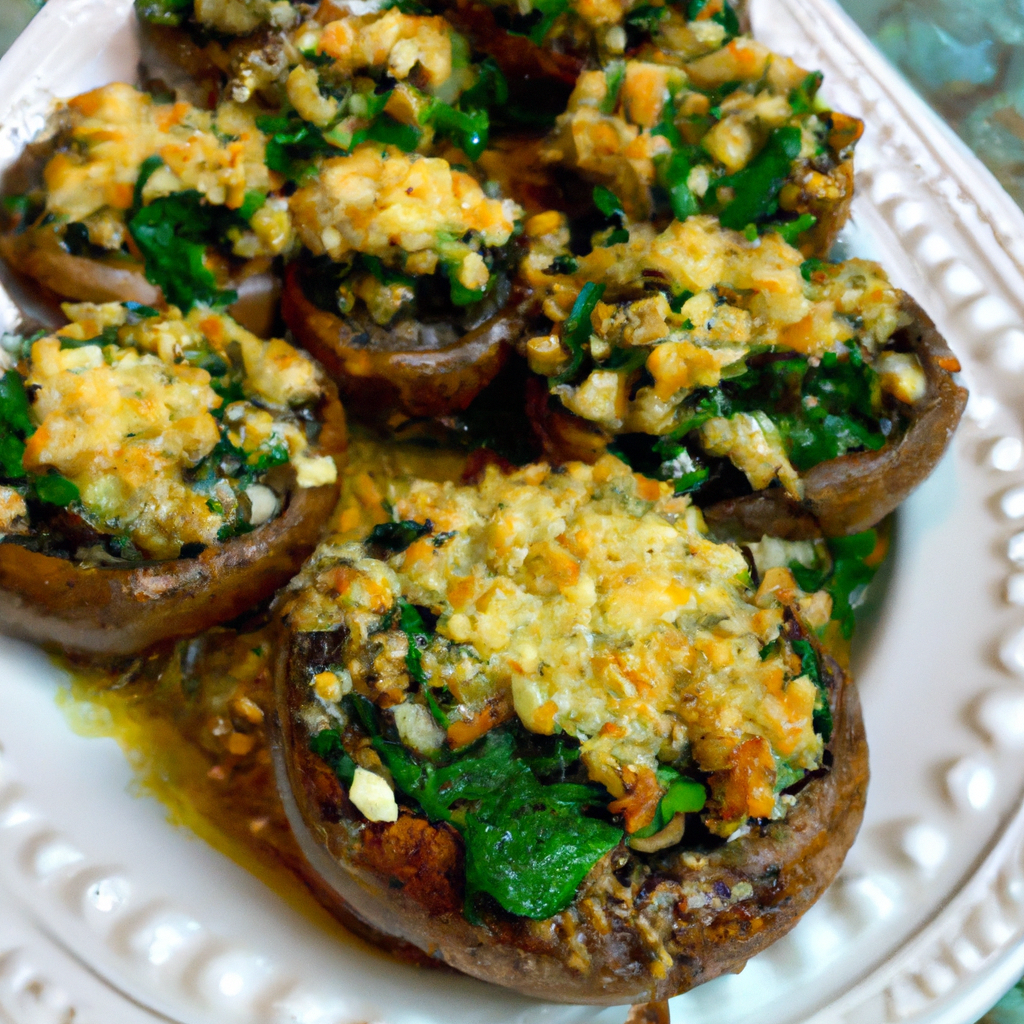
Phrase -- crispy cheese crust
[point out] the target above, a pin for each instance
(114, 129)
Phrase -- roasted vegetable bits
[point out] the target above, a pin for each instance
(159, 474)
(567, 706)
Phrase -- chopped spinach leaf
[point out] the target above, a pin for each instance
(528, 845)
(54, 489)
(396, 537)
(411, 623)
(14, 408)
(173, 233)
(810, 668)
(810, 267)
(489, 90)
(682, 796)
(645, 18)
(15, 425)
(530, 850)
(725, 16)
(292, 145)
(577, 329)
(163, 12)
(847, 577)
(607, 202)
(565, 265)
(327, 745)
(821, 411)
(786, 775)
(615, 75)
(791, 230)
(536, 25)
(758, 185)
(467, 129)
(137, 312)
(801, 99)
(386, 130)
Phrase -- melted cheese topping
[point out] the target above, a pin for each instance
(116, 128)
(386, 203)
(393, 41)
(126, 421)
(593, 602)
(744, 294)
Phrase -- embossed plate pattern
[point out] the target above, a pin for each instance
(107, 914)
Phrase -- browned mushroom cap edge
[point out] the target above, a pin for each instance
(373, 383)
(857, 491)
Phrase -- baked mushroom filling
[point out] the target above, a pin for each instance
(130, 435)
(405, 238)
(739, 133)
(553, 660)
(186, 192)
(699, 344)
(403, 80)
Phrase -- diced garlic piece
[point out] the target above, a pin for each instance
(902, 376)
(372, 796)
(417, 728)
(262, 502)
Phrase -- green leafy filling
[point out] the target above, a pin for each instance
(809, 667)
(163, 12)
(576, 330)
(682, 796)
(173, 234)
(396, 537)
(529, 843)
(726, 17)
(845, 579)
(821, 411)
(16, 428)
(758, 185)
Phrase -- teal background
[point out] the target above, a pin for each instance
(14, 16)
(965, 56)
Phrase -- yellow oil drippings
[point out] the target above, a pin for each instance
(192, 718)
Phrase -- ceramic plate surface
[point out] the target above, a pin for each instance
(110, 916)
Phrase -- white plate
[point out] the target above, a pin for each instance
(107, 911)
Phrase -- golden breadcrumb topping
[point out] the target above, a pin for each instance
(697, 299)
(408, 210)
(590, 601)
(115, 129)
(126, 409)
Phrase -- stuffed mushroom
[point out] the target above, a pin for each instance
(737, 132)
(405, 299)
(522, 719)
(154, 202)
(160, 474)
(733, 366)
